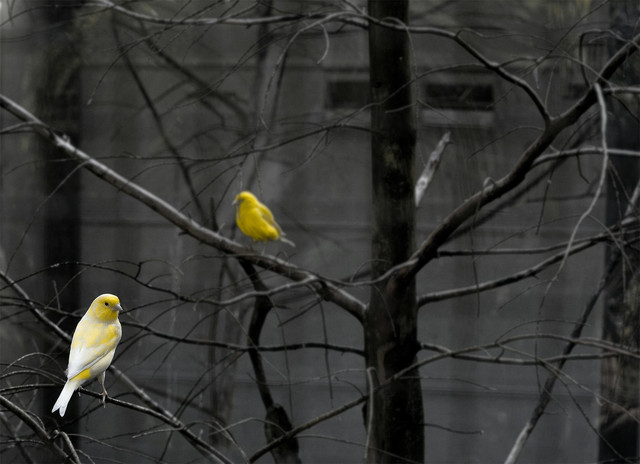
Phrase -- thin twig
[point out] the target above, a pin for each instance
(202, 446)
(545, 394)
(14, 438)
(570, 249)
(67, 441)
(157, 119)
(326, 289)
(372, 384)
(44, 436)
(500, 187)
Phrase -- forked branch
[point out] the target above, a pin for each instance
(327, 290)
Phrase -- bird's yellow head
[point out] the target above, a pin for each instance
(106, 307)
(245, 196)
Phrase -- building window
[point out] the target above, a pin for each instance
(347, 93)
(459, 96)
(460, 100)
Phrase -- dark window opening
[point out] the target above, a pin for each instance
(347, 94)
(459, 96)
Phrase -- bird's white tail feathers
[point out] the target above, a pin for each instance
(65, 396)
(287, 241)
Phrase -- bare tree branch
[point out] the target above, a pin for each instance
(206, 449)
(326, 289)
(496, 189)
(44, 436)
(233, 19)
(532, 271)
(458, 354)
(195, 316)
(431, 167)
(596, 151)
(545, 394)
(171, 147)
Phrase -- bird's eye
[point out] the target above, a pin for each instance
(106, 303)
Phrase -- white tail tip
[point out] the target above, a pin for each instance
(63, 399)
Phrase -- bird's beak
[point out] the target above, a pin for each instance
(235, 201)
(118, 308)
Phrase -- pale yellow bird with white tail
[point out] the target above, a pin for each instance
(92, 347)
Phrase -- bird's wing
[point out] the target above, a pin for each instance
(92, 341)
(267, 215)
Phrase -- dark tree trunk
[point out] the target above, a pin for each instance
(394, 413)
(619, 413)
(58, 99)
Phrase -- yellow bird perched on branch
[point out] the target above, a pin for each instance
(92, 347)
(255, 220)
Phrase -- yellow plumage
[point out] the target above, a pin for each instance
(255, 220)
(92, 347)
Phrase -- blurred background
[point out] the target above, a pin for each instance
(198, 100)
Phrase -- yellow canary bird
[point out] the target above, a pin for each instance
(92, 347)
(255, 220)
